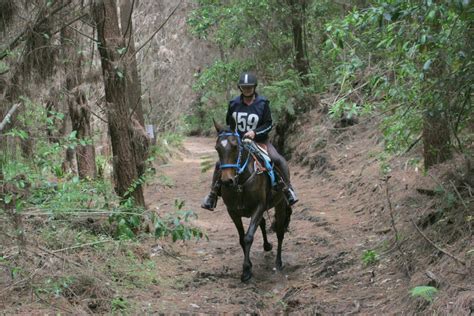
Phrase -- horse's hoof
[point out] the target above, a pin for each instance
(246, 276)
(267, 247)
(279, 266)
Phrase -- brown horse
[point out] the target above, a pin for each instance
(248, 193)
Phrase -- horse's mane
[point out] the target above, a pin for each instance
(227, 129)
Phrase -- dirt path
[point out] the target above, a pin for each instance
(322, 253)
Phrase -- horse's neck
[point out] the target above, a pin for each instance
(249, 169)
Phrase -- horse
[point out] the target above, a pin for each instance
(246, 192)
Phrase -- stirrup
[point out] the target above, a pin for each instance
(210, 202)
(291, 196)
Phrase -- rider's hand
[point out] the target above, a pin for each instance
(249, 134)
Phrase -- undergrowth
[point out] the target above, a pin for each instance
(66, 239)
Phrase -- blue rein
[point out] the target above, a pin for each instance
(240, 168)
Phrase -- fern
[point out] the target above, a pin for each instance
(426, 292)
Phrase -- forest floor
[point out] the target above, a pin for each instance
(340, 255)
(322, 253)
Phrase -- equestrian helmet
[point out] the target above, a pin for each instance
(247, 80)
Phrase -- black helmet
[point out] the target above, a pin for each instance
(247, 79)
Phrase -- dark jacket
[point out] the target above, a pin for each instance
(256, 116)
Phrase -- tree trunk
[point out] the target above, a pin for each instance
(436, 137)
(298, 8)
(77, 104)
(118, 114)
(133, 80)
(436, 132)
(140, 141)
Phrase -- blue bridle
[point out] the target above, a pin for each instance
(238, 166)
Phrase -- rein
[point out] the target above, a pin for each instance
(239, 166)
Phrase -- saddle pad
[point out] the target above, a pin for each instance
(262, 148)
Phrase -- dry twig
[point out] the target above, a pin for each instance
(7, 117)
(436, 246)
(392, 221)
(83, 245)
(459, 196)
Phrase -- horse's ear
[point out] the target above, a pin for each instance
(218, 127)
(233, 125)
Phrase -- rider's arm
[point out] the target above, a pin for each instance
(261, 132)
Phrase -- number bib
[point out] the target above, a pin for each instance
(245, 121)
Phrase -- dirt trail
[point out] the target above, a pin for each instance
(322, 253)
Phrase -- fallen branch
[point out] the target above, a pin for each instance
(58, 256)
(459, 196)
(27, 279)
(392, 221)
(436, 246)
(7, 117)
(44, 250)
(83, 245)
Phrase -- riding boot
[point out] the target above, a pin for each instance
(290, 195)
(210, 201)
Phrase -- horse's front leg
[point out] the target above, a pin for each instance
(266, 245)
(240, 228)
(248, 240)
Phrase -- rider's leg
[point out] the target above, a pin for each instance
(210, 201)
(284, 173)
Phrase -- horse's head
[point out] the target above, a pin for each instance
(228, 146)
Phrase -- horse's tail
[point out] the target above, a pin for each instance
(289, 211)
(286, 223)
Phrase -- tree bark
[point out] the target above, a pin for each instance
(133, 80)
(77, 104)
(436, 136)
(114, 72)
(298, 8)
(436, 132)
(140, 141)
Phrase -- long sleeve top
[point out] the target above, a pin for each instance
(255, 117)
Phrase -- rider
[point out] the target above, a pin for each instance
(251, 113)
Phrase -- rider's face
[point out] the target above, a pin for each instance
(247, 91)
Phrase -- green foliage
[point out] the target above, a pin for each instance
(119, 304)
(4, 68)
(426, 292)
(413, 59)
(343, 107)
(101, 163)
(176, 225)
(128, 219)
(57, 286)
(370, 257)
(238, 26)
(285, 94)
(221, 75)
(166, 144)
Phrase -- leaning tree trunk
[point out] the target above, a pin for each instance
(114, 73)
(77, 104)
